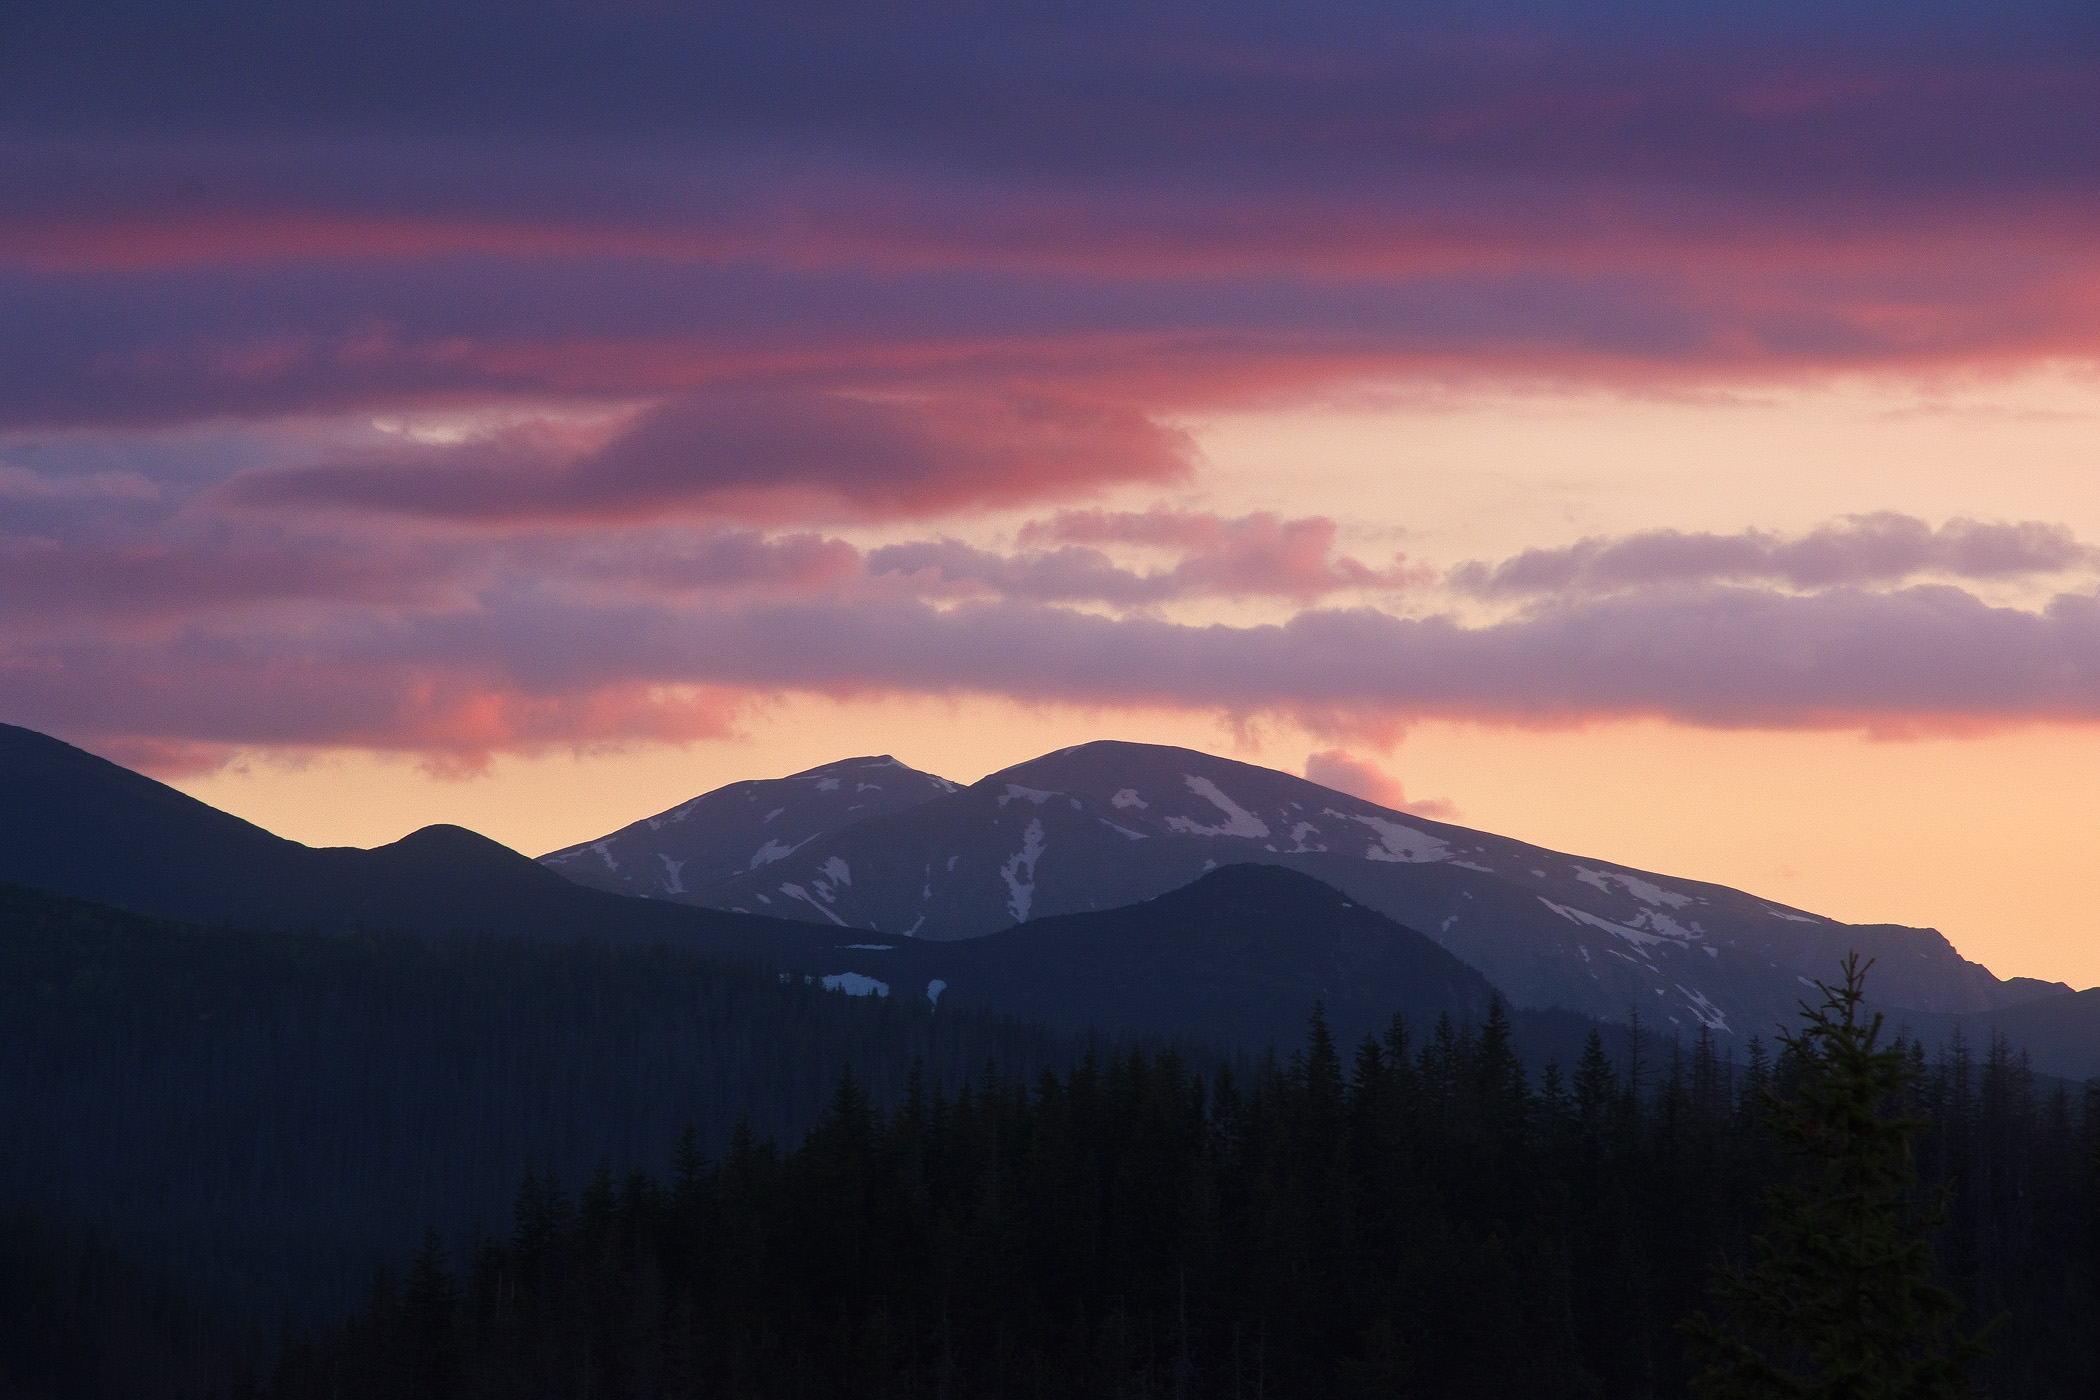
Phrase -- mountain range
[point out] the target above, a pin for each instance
(1124, 888)
(1109, 824)
(1242, 957)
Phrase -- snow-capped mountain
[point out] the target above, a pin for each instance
(743, 827)
(1108, 824)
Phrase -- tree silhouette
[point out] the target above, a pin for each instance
(1841, 1304)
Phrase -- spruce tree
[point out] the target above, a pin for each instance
(1840, 1304)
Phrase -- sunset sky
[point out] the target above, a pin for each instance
(1667, 433)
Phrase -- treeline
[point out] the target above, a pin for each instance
(268, 1117)
(1412, 1220)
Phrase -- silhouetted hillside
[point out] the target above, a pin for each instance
(277, 1113)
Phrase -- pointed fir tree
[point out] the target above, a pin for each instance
(429, 1360)
(1840, 1304)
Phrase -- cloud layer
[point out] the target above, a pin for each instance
(746, 452)
(1861, 551)
(353, 393)
(520, 641)
(257, 212)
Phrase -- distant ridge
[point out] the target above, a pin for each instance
(1107, 824)
(80, 825)
(1241, 956)
(1119, 886)
(736, 829)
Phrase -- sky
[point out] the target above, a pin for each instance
(1669, 434)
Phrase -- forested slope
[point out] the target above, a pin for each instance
(1420, 1220)
(277, 1113)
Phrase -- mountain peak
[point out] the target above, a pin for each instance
(443, 839)
(1110, 823)
(741, 827)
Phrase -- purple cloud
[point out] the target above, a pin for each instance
(1862, 550)
(1259, 555)
(529, 665)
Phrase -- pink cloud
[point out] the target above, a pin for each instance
(764, 453)
(530, 666)
(1344, 772)
(46, 583)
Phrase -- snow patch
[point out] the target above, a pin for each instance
(870, 947)
(797, 892)
(1638, 937)
(605, 854)
(770, 815)
(916, 925)
(1021, 891)
(1402, 844)
(1299, 833)
(1792, 918)
(1474, 865)
(1126, 831)
(772, 851)
(676, 814)
(1025, 794)
(1128, 797)
(827, 785)
(1238, 820)
(671, 869)
(1709, 1015)
(1666, 926)
(855, 984)
(1645, 891)
(838, 870)
(934, 990)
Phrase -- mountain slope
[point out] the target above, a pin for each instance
(273, 1115)
(1108, 824)
(743, 827)
(1239, 957)
(80, 825)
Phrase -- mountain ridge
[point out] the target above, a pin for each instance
(1106, 824)
(700, 842)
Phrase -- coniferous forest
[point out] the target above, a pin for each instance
(266, 1117)
(1411, 1218)
(204, 1123)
